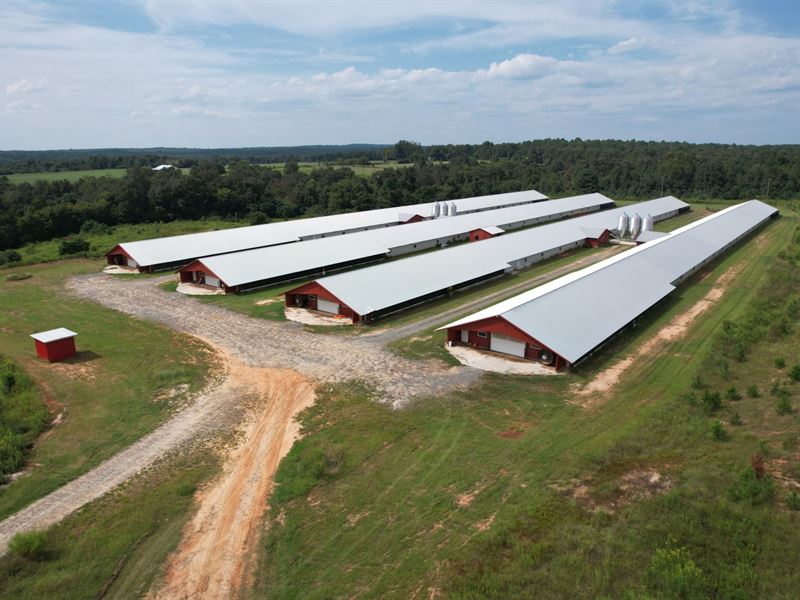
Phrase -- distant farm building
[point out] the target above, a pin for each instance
(55, 345)
(484, 233)
(176, 251)
(164, 167)
(383, 289)
(253, 269)
(564, 321)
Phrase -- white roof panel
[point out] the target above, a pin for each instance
(388, 284)
(184, 248)
(53, 335)
(249, 266)
(622, 287)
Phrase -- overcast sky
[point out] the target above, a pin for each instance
(249, 73)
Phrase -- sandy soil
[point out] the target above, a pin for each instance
(118, 270)
(191, 289)
(308, 317)
(605, 381)
(496, 363)
(213, 557)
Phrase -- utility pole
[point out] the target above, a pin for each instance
(662, 187)
(769, 180)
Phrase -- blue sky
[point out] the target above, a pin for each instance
(250, 73)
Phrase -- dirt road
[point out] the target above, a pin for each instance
(212, 559)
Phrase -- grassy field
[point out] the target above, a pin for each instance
(17, 178)
(511, 487)
(360, 170)
(119, 387)
(105, 241)
(116, 546)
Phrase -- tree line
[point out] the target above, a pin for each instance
(242, 190)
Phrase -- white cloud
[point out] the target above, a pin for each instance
(626, 46)
(23, 85)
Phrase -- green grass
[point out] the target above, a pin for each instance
(248, 303)
(17, 178)
(103, 242)
(108, 393)
(360, 170)
(116, 546)
(371, 503)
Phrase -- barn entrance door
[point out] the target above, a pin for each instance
(507, 345)
(212, 281)
(465, 336)
(327, 306)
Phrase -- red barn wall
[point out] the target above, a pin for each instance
(56, 351)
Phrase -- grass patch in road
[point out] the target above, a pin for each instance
(103, 241)
(109, 393)
(116, 546)
(509, 490)
(262, 304)
(423, 346)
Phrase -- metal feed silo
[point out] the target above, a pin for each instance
(445, 209)
(647, 225)
(622, 226)
(437, 209)
(636, 225)
(453, 209)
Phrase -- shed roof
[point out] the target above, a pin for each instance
(184, 248)
(385, 285)
(53, 335)
(249, 266)
(492, 229)
(622, 287)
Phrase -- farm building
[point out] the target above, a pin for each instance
(484, 233)
(55, 345)
(378, 290)
(252, 269)
(551, 323)
(176, 251)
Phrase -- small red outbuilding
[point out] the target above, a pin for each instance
(55, 345)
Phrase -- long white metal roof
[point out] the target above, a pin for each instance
(249, 266)
(184, 248)
(575, 313)
(388, 284)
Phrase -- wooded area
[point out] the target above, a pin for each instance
(221, 188)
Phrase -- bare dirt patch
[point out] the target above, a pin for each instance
(594, 392)
(213, 558)
(633, 486)
(190, 289)
(488, 361)
(465, 499)
(308, 317)
(267, 301)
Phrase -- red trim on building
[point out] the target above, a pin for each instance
(477, 235)
(56, 350)
(117, 251)
(414, 219)
(599, 241)
(306, 295)
(188, 274)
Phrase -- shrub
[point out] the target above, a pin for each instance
(783, 406)
(733, 394)
(697, 383)
(776, 388)
(30, 545)
(736, 419)
(793, 500)
(718, 431)
(674, 574)
(186, 489)
(93, 227)
(794, 372)
(9, 256)
(752, 391)
(750, 488)
(72, 246)
(18, 276)
(779, 362)
(712, 401)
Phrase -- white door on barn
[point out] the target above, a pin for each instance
(131, 263)
(327, 306)
(212, 281)
(507, 345)
(465, 336)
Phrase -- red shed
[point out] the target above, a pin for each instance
(55, 345)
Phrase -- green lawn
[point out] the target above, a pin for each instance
(105, 241)
(69, 175)
(510, 490)
(109, 394)
(117, 545)
(360, 170)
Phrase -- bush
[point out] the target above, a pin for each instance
(93, 227)
(733, 394)
(712, 401)
(675, 575)
(752, 391)
(697, 383)
(186, 489)
(776, 389)
(793, 500)
(784, 406)
(794, 372)
(72, 246)
(750, 488)
(718, 431)
(736, 419)
(779, 362)
(9, 256)
(30, 545)
(18, 276)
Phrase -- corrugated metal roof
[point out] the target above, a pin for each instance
(249, 266)
(622, 287)
(649, 236)
(493, 230)
(385, 285)
(53, 335)
(184, 248)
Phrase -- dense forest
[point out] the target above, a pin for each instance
(241, 189)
